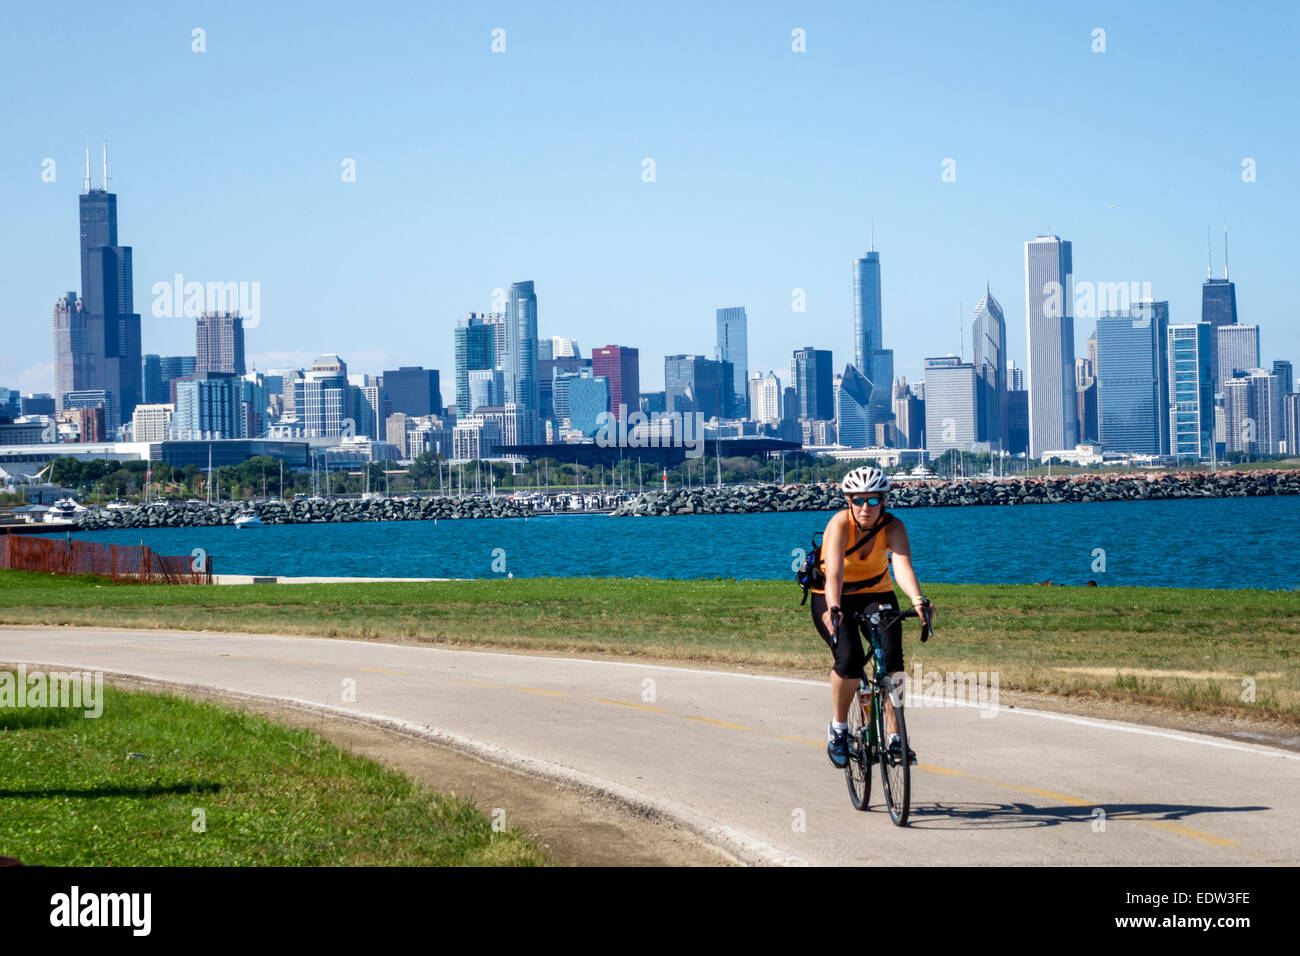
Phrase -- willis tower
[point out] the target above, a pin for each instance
(97, 340)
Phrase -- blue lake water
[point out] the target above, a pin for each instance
(1219, 542)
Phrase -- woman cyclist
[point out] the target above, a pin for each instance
(875, 540)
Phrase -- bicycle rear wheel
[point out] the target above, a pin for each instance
(857, 773)
(895, 772)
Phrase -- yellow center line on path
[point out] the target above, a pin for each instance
(469, 683)
(290, 660)
(380, 670)
(717, 723)
(624, 703)
(1069, 800)
(549, 693)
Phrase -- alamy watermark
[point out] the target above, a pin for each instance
(1091, 299)
(657, 430)
(79, 690)
(181, 299)
(955, 689)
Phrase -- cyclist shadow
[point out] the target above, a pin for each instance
(1011, 816)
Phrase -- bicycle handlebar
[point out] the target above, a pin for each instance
(885, 616)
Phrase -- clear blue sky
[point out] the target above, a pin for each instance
(475, 169)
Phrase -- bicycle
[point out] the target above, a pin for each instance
(866, 740)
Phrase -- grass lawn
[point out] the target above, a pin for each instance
(122, 790)
(1191, 648)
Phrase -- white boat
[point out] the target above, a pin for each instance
(248, 519)
(65, 509)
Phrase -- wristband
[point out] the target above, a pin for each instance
(833, 608)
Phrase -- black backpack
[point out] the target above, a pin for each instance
(810, 574)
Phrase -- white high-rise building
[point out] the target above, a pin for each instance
(1237, 350)
(150, 422)
(765, 398)
(1049, 317)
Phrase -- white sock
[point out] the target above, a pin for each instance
(836, 727)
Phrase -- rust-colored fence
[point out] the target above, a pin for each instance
(131, 563)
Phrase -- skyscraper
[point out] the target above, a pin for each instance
(765, 398)
(1253, 413)
(1282, 369)
(1218, 307)
(413, 390)
(110, 351)
(867, 322)
(853, 419)
(1050, 335)
(521, 357)
(989, 335)
(1133, 379)
(733, 347)
(950, 403)
(693, 383)
(621, 367)
(813, 378)
(475, 349)
(1237, 351)
(219, 343)
(1191, 391)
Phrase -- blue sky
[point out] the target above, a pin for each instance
(475, 169)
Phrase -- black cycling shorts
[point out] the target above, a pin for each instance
(850, 655)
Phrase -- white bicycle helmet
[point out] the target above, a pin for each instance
(865, 478)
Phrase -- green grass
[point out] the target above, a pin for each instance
(1035, 637)
(121, 790)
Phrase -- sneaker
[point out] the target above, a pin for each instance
(893, 751)
(838, 749)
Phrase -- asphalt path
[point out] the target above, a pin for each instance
(740, 759)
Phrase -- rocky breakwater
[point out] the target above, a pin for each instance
(749, 499)
(300, 512)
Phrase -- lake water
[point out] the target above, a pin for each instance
(1218, 542)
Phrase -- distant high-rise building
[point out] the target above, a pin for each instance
(563, 348)
(854, 422)
(693, 383)
(219, 343)
(521, 356)
(1291, 422)
(91, 409)
(813, 379)
(486, 387)
(1018, 422)
(588, 398)
(654, 402)
(989, 335)
(1133, 379)
(1253, 414)
(1282, 369)
(475, 348)
(97, 345)
(476, 437)
(413, 390)
(868, 326)
(950, 405)
(1218, 308)
(909, 416)
(733, 347)
(1050, 334)
(151, 422)
(765, 398)
(208, 405)
(620, 365)
(151, 383)
(1191, 391)
(1237, 351)
(1015, 377)
(40, 404)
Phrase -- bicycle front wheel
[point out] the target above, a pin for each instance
(895, 771)
(857, 773)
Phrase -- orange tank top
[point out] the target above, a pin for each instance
(871, 561)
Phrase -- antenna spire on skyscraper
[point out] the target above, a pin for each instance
(87, 165)
(1209, 255)
(873, 234)
(105, 180)
(1225, 251)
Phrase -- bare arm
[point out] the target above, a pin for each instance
(901, 559)
(833, 547)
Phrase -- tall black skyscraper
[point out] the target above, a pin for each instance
(105, 352)
(1218, 307)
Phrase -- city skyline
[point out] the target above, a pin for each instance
(269, 214)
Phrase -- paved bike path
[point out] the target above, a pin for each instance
(741, 758)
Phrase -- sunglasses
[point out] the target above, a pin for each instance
(862, 502)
